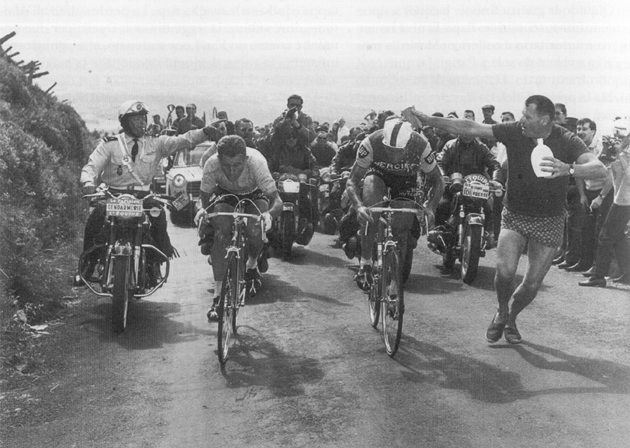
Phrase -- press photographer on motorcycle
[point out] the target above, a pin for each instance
(289, 156)
(465, 155)
(127, 163)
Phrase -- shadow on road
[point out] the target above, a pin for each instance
(148, 326)
(613, 377)
(304, 256)
(256, 361)
(276, 290)
(427, 363)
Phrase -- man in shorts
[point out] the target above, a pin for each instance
(234, 173)
(534, 207)
(393, 158)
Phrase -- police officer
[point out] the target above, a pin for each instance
(126, 163)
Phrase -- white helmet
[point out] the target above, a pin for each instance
(396, 133)
(133, 107)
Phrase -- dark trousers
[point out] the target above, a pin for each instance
(573, 227)
(592, 226)
(613, 241)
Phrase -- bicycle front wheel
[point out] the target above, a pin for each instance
(392, 301)
(228, 305)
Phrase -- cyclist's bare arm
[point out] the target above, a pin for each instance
(456, 126)
(357, 174)
(437, 188)
(275, 204)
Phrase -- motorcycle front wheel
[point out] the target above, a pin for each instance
(470, 253)
(120, 293)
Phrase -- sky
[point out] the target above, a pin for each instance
(344, 58)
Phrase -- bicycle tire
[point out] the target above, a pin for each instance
(226, 310)
(374, 295)
(120, 293)
(471, 250)
(392, 301)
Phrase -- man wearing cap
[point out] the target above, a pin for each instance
(394, 157)
(534, 206)
(126, 163)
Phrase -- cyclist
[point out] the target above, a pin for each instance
(395, 158)
(127, 163)
(234, 173)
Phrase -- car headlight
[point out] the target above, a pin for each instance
(179, 181)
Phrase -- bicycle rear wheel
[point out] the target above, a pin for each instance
(392, 302)
(228, 304)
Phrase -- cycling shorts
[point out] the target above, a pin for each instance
(400, 186)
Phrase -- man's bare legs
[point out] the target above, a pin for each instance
(509, 250)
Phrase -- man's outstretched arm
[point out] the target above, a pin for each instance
(455, 126)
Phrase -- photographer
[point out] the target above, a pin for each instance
(612, 238)
(293, 119)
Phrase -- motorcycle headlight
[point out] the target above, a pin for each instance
(326, 177)
(179, 181)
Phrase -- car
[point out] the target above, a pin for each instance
(183, 181)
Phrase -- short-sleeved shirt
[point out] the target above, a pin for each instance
(527, 193)
(417, 157)
(255, 175)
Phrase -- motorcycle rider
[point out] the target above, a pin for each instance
(127, 163)
(289, 156)
(394, 157)
(237, 172)
(465, 155)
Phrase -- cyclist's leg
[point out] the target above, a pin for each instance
(222, 234)
(374, 189)
(255, 242)
(401, 228)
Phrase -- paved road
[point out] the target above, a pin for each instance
(309, 371)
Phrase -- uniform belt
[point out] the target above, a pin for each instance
(131, 188)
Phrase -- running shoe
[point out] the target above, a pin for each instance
(212, 314)
(364, 277)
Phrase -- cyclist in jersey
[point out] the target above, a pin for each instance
(393, 158)
(237, 172)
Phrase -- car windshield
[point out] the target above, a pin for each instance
(188, 157)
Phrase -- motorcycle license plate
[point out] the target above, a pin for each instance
(181, 201)
(287, 207)
(124, 208)
(476, 191)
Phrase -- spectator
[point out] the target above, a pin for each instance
(228, 124)
(596, 198)
(180, 113)
(323, 150)
(612, 239)
(488, 111)
(191, 121)
(244, 128)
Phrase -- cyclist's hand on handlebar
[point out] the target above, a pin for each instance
(266, 219)
(364, 215)
(88, 189)
(495, 185)
(200, 216)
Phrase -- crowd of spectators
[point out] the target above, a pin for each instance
(295, 143)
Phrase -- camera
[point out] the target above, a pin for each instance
(290, 113)
(610, 149)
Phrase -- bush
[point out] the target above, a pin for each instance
(43, 144)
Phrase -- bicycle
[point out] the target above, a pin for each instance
(234, 289)
(386, 296)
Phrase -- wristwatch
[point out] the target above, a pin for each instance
(571, 169)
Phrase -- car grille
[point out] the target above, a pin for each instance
(194, 188)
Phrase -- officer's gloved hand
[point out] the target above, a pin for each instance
(201, 214)
(88, 189)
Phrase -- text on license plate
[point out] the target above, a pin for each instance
(476, 192)
(181, 201)
(126, 208)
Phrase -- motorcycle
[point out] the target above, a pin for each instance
(331, 189)
(462, 237)
(128, 264)
(289, 227)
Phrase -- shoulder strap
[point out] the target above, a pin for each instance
(126, 159)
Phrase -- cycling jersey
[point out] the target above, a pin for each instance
(255, 176)
(416, 157)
